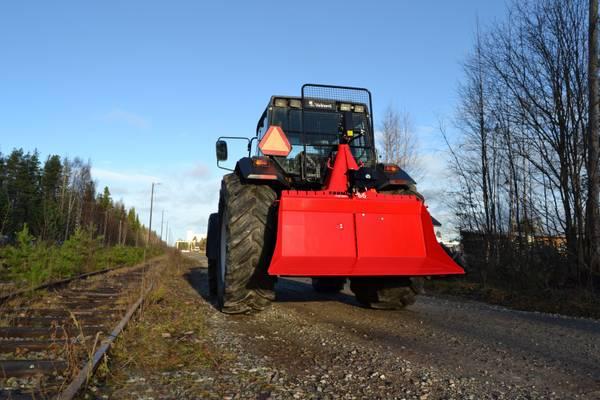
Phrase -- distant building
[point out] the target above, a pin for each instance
(194, 242)
(183, 246)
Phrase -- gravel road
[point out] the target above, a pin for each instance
(437, 348)
(315, 346)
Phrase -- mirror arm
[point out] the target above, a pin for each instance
(234, 138)
(250, 145)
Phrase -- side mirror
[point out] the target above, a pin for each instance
(221, 148)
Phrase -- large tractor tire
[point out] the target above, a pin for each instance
(246, 241)
(328, 285)
(386, 293)
(212, 250)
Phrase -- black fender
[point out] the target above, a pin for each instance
(393, 179)
(260, 169)
(377, 178)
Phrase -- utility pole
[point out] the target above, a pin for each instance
(125, 231)
(151, 207)
(120, 227)
(592, 206)
(105, 223)
(162, 218)
(167, 239)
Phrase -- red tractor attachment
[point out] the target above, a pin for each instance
(334, 232)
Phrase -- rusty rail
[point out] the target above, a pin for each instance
(90, 367)
(60, 325)
(61, 282)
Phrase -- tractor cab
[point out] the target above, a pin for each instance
(297, 140)
(313, 128)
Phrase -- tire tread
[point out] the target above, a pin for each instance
(251, 236)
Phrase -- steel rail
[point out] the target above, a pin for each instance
(91, 365)
(65, 281)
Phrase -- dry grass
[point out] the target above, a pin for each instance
(166, 336)
(567, 301)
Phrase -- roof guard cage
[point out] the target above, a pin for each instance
(339, 93)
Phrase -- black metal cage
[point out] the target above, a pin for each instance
(313, 91)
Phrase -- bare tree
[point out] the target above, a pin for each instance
(398, 142)
(475, 120)
(522, 151)
(539, 65)
(593, 212)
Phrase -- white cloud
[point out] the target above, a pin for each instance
(113, 176)
(199, 171)
(127, 117)
(187, 194)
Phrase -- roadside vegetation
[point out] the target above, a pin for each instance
(29, 263)
(54, 225)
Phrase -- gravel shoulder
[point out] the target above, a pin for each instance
(328, 347)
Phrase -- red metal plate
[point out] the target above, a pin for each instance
(321, 234)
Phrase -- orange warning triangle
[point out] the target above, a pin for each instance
(275, 143)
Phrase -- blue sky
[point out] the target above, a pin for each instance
(144, 88)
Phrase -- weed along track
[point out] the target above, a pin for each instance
(52, 341)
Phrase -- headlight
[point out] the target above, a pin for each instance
(281, 103)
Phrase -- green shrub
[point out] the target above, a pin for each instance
(29, 263)
(78, 254)
(120, 255)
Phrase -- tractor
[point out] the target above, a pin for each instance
(312, 200)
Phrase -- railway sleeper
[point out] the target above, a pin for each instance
(46, 321)
(19, 394)
(24, 368)
(12, 346)
(47, 332)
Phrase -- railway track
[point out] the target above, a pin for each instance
(51, 344)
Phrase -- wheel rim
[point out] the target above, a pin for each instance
(222, 254)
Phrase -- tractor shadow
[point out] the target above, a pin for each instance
(197, 278)
(288, 290)
(297, 290)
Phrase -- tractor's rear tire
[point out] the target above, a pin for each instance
(328, 285)
(246, 240)
(212, 249)
(385, 293)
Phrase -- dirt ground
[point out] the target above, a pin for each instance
(328, 347)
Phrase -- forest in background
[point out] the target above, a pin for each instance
(54, 224)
